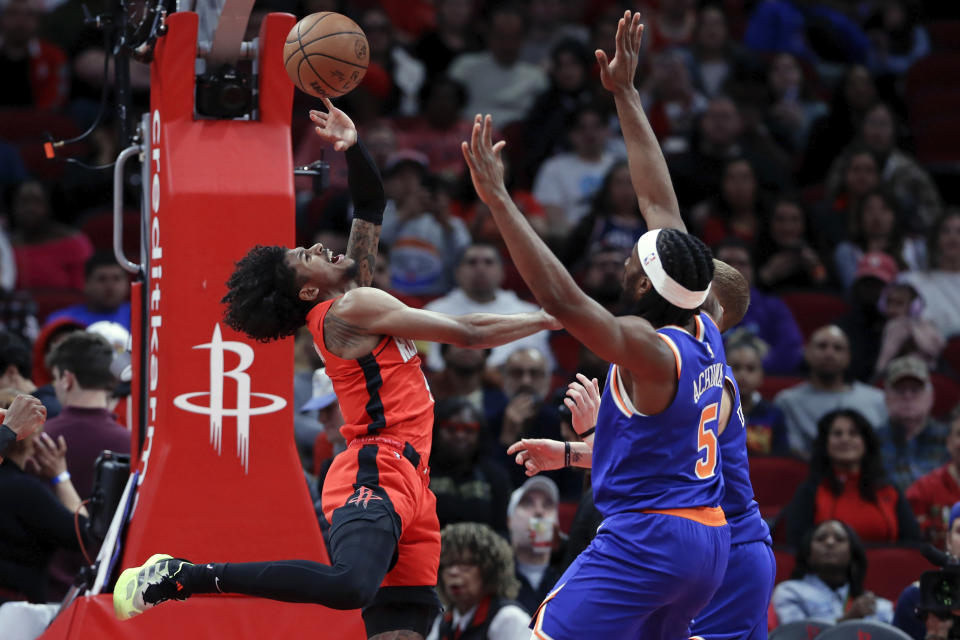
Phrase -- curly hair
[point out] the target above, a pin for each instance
(872, 474)
(262, 296)
(856, 570)
(475, 543)
(687, 260)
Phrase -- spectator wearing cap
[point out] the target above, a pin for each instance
(479, 277)
(532, 517)
(469, 485)
(905, 615)
(424, 242)
(329, 442)
(912, 442)
(306, 427)
(106, 293)
(864, 323)
(828, 357)
(930, 496)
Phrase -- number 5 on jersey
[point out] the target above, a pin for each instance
(707, 439)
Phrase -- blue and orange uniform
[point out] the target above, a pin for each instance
(388, 425)
(661, 551)
(738, 610)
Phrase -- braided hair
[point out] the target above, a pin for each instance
(263, 296)
(687, 260)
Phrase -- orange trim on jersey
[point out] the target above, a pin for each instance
(676, 352)
(710, 516)
(623, 403)
(538, 631)
(700, 330)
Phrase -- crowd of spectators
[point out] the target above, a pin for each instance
(804, 142)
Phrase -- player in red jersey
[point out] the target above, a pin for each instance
(384, 534)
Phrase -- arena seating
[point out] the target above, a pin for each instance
(813, 310)
(775, 479)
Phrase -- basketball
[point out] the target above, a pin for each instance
(326, 54)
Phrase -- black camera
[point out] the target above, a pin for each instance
(940, 589)
(225, 93)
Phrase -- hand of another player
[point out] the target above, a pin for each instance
(618, 74)
(583, 400)
(25, 415)
(538, 454)
(49, 457)
(483, 159)
(334, 126)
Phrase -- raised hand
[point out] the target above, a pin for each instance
(25, 415)
(618, 74)
(538, 454)
(483, 159)
(334, 126)
(583, 400)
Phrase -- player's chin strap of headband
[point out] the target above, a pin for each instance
(672, 291)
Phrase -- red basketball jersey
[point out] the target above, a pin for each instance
(383, 393)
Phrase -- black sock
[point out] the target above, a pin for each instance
(203, 578)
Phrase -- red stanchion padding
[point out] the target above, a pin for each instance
(205, 617)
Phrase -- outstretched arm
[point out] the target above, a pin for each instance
(648, 169)
(374, 312)
(366, 188)
(627, 340)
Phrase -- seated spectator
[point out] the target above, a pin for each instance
(602, 277)
(34, 70)
(672, 26)
(847, 478)
(545, 125)
(875, 226)
(15, 370)
(828, 357)
(767, 317)
(532, 517)
(424, 243)
(670, 98)
(766, 430)
(497, 81)
(326, 419)
(35, 521)
(736, 211)
(827, 581)
(787, 255)
(931, 495)
(716, 58)
(911, 441)
(440, 127)
(897, 37)
(829, 135)
(864, 323)
(547, 24)
(18, 314)
(909, 183)
(939, 285)
(906, 332)
(793, 107)
(860, 175)
(905, 615)
(463, 375)
(453, 34)
(49, 254)
(477, 584)
(50, 336)
(614, 219)
(470, 487)
(566, 182)
(406, 73)
(479, 274)
(106, 293)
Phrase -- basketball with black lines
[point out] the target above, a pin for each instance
(326, 54)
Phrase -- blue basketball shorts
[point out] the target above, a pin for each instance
(645, 575)
(738, 609)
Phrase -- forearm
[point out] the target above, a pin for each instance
(69, 498)
(648, 168)
(369, 201)
(581, 454)
(486, 330)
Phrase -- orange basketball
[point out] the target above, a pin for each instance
(326, 54)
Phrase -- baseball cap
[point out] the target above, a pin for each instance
(119, 338)
(542, 483)
(323, 394)
(907, 367)
(877, 264)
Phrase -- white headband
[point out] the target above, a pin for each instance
(672, 291)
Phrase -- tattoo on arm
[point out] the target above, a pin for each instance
(575, 456)
(362, 247)
(339, 334)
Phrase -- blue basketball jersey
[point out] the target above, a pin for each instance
(669, 460)
(741, 510)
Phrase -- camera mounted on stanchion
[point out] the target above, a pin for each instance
(940, 589)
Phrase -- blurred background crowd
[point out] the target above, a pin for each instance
(813, 144)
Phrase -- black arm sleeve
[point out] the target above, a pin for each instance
(366, 187)
(7, 438)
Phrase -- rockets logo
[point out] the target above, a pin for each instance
(362, 497)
